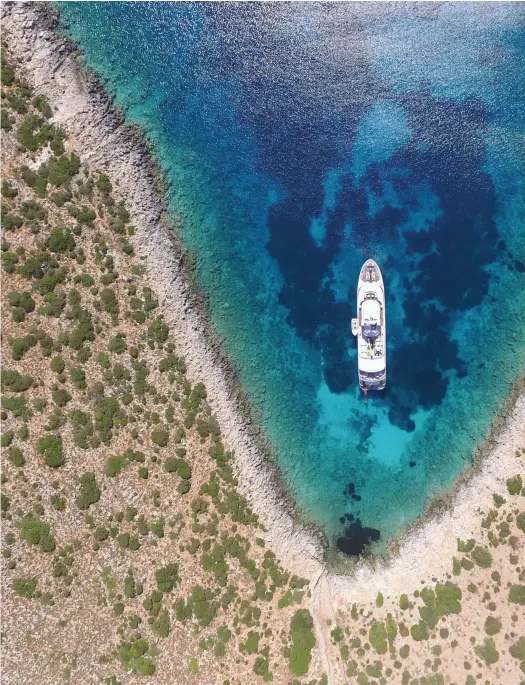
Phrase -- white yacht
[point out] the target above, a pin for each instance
(370, 328)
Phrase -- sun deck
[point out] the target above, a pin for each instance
(370, 327)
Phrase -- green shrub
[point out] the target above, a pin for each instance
(63, 169)
(487, 651)
(16, 457)
(517, 650)
(25, 587)
(6, 121)
(19, 346)
(161, 625)
(404, 604)
(108, 301)
(160, 437)
(51, 447)
(202, 605)
(167, 577)
(492, 625)
(377, 637)
(16, 405)
(39, 102)
(517, 594)
(337, 634)
(78, 377)
(448, 596)
(514, 485)
(17, 104)
(32, 210)
(224, 633)
(9, 261)
(419, 631)
(262, 667)
(133, 657)
(54, 304)
(117, 344)
(15, 381)
(60, 397)
(7, 438)
(482, 557)
(118, 609)
(8, 191)
(60, 197)
(37, 532)
(61, 240)
(172, 363)
(158, 331)
(303, 641)
(10, 222)
(178, 466)
(104, 184)
(21, 300)
(251, 646)
(89, 491)
(26, 132)
(8, 73)
(82, 214)
(101, 534)
(57, 364)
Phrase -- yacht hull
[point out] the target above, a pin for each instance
(370, 328)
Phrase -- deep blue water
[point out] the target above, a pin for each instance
(297, 141)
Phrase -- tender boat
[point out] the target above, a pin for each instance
(370, 328)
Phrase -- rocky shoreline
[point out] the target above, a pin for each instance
(85, 110)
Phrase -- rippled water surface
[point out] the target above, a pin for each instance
(300, 139)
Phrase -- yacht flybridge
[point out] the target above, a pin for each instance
(370, 328)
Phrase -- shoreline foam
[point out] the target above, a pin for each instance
(427, 546)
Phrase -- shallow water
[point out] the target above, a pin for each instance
(300, 139)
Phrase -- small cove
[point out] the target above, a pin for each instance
(296, 141)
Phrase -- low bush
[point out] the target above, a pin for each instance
(514, 485)
(160, 437)
(63, 169)
(167, 577)
(15, 381)
(51, 447)
(37, 532)
(61, 240)
(9, 261)
(25, 587)
(487, 651)
(161, 625)
(482, 557)
(133, 657)
(517, 594)
(20, 346)
(303, 641)
(10, 222)
(16, 405)
(89, 491)
(16, 457)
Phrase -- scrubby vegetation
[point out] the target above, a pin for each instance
(124, 452)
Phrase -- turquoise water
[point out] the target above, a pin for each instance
(298, 140)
